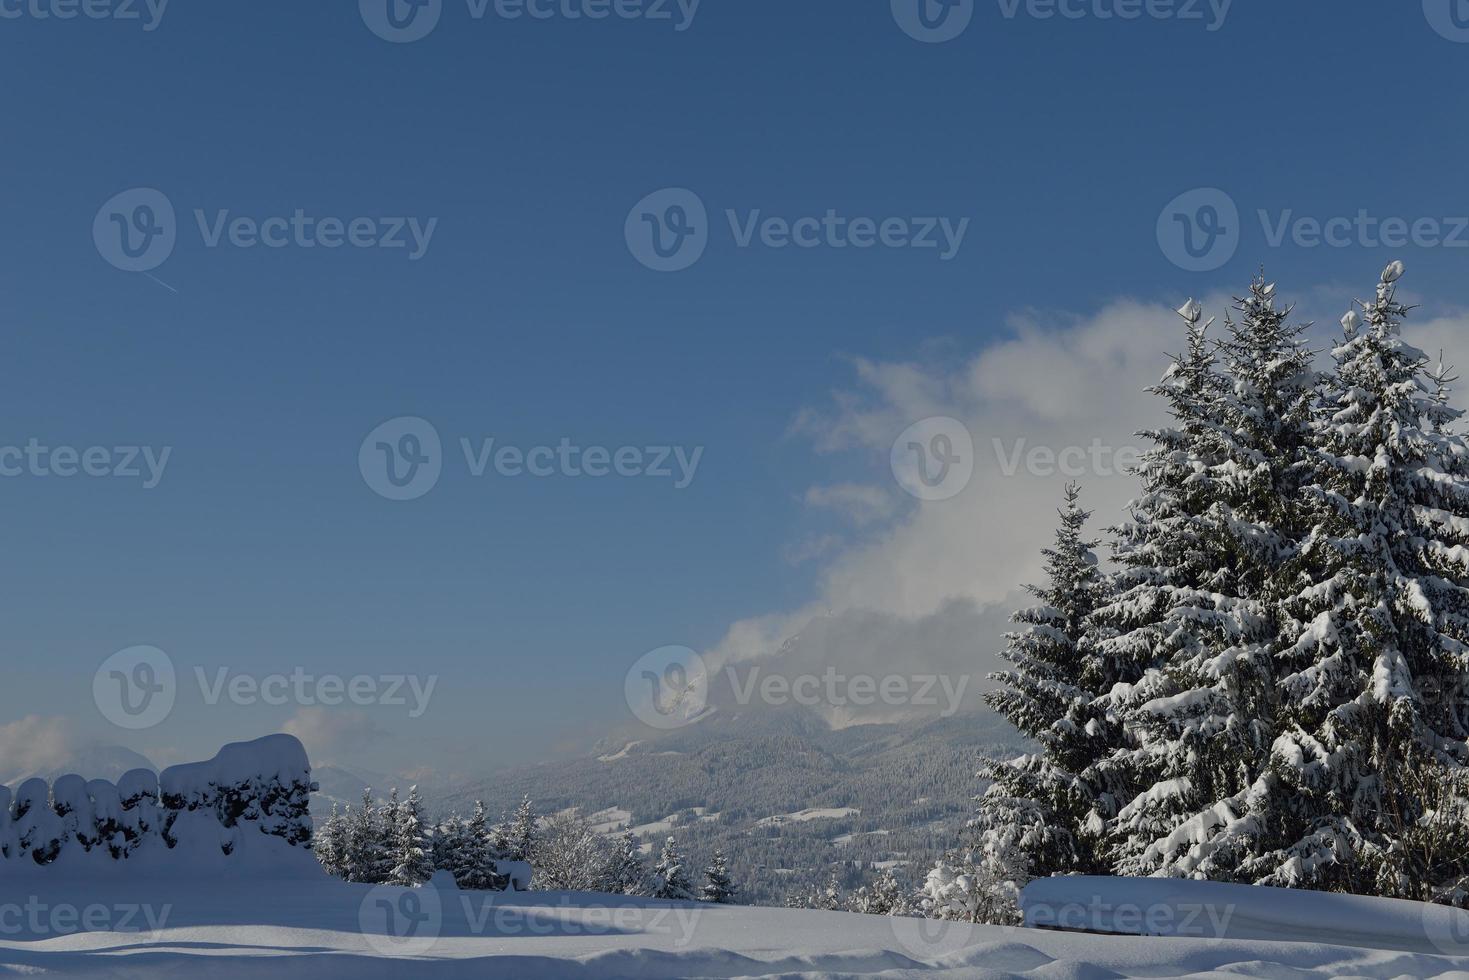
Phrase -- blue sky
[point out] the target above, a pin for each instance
(528, 318)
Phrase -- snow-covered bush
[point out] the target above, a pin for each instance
(885, 896)
(570, 856)
(968, 892)
(40, 830)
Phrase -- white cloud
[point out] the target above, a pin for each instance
(325, 731)
(861, 504)
(38, 744)
(810, 548)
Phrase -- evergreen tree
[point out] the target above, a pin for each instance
(473, 862)
(670, 881)
(413, 864)
(363, 847)
(1036, 818)
(447, 842)
(1366, 781)
(521, 837)
(717, 888)
(327, 843)
(1163, 570)
(1200, 724)
(627, 874)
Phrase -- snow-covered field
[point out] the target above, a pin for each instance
(802, 816)
(318, 927)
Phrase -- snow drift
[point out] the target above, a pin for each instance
(1182, 907)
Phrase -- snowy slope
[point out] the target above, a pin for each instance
(317, 927)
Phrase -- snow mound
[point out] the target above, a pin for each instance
(246, 810)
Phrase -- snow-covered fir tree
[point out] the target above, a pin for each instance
(627, 873)
(717, 887)
(1200, 724)
(364, 852)
(1366, 784)
(669, 879)
(328, 841)
(473, 860)
(520, 836)
(447, 841)
(412, 849)
(1038, 815)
